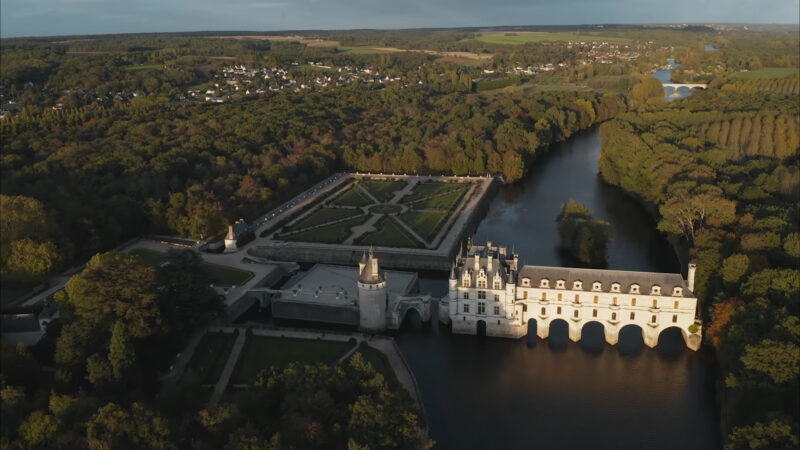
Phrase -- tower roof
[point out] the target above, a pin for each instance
(370, 274)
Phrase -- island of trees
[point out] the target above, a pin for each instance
(584, 237)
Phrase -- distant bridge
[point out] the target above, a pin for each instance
(689, 86)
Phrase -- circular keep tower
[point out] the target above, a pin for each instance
(372, 295)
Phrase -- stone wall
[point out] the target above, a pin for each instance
(341, 315)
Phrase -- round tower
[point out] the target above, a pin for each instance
(372, 296)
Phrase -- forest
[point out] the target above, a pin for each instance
(721, 172)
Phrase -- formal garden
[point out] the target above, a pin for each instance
(405, 212)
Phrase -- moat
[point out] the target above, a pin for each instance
(554, 393)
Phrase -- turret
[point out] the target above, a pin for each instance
(372, 296)
(453, 283)
(690, 276)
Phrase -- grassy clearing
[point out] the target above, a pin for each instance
(524, 37)
(261, 353)
(149, 257)
(443, 202)
(426, 224)
(422, 190)
(352, 197)
(210, 356)
(225, 276)
(382, 190)
(389, 234)
(324, 215)
(330, 234)
(772, 72)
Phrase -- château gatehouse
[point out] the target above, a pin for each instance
(489, 293)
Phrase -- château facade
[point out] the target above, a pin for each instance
(490, 293)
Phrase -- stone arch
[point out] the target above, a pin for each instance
(480, 328)
(533, 331)
(558, 334)
(668, 344)
(410, 315)
(593, 336)
(631, 339)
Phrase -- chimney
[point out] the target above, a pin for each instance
(690, 276)
(489, 263)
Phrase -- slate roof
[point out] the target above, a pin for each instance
(645, 280)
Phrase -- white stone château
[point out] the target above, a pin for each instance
(489, 293)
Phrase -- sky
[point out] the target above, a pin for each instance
(70, 17)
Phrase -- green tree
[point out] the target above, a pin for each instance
(116, 428)
(39, 429)
(778, 360)
(583, 236)
(774, 435)
(120, 352)
(31, 258)
(513, 167)
(735, 267)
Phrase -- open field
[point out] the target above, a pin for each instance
(366, 50)
(261, 353)
(772, 72)
(217, 275)
(331, 234)
(352, 197)
(389, 234)
(324, 215)
(524, 37)
(382, 190)
(210, 356)
(426, 224)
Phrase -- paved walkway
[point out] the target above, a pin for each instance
(222, 384)
(171, 379)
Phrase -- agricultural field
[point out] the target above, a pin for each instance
(390, 234)
(261, 353)
(772, 72)
(524, 37)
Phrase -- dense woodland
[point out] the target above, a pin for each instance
(721, 169)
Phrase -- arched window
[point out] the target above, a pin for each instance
(545, 283)
(634, 288)
(559, 284)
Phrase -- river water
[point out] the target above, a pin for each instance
(665, 76)
(555, 394)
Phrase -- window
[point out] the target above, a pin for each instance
(596, 299)
(482, 284)
(597, 286)
(560, 284)
(481, 308)
(496, 310)
(577, 298)
(544, 311)
(545, 283)
(466, 295)
(655, 303)
(558, 310)
(575, 314)
(524, 308)
(633, 316)
(466, 307)
(615, 301)
(674, 318)
(559, 296)
(577, 286)
(615, 287)
(594, 313)
(496, 285)
(633, 302)
(466, 282)
(613, 316)
(655, 290)
(634, 289)
(676, 304)
(497, 297)
(544, 295)
(481, 295)
(524, 294)
(526, 281)
(653, 319)
(677, 292)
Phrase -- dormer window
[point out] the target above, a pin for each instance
(545, 283)
(614, 287)
(559, 284)
(634, 288)
(577, 286)
(655, 290)
(597, 286)
(677, 292)
(526, 281)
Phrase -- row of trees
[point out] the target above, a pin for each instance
(726, 182)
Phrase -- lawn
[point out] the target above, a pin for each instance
(210, 356)
(225, 276)
(324, 215)
(261, 353)
(772, 72)
(330, 234)
(149, 257)
(352, 197)
(426, 224)
(443, 202)
(423, 190)
(382, 190)
(524, 37)
(389, 234)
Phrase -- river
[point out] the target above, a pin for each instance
(665, 76)
(556, 394)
